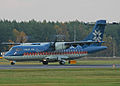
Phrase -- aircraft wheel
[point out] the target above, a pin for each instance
(62, 62)
(45, 62)
(12, 63)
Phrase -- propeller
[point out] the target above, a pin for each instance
(52, 44)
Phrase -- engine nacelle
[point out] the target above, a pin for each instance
(60, 45)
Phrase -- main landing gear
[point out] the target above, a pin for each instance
(62, 62)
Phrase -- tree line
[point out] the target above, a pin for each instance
(37, 31)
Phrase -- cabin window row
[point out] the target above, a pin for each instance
(55, 53)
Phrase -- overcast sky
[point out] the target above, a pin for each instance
(60, 10)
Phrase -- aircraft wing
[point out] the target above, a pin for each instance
(8, 43)
(82, 42)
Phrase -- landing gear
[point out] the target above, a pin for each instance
(62, 62)
(12, 62)
(45, 62)
(69, 62)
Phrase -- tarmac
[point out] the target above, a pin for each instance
(55, 66)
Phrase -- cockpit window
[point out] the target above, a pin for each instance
(12, 49)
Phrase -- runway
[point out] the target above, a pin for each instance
(54, 66)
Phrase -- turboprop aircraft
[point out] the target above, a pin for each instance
(59, 51)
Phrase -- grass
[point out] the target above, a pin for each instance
(60, 77)
(97, 62)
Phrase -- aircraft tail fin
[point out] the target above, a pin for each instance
(97, 32)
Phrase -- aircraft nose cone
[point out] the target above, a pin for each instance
(6, 56)
(2, 55)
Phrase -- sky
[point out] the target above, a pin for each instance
(60, 10)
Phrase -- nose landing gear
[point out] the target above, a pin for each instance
(45, 62)
(12, 62)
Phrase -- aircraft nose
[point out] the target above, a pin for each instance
(2, 55)
(7, 54)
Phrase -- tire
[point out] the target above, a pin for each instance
(45, 62)
(62, 62)
(12, 63)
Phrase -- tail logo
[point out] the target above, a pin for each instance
(97, 35)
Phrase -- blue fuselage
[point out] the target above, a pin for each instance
(38, 52)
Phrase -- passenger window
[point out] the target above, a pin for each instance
(32, 49)
(18, 49)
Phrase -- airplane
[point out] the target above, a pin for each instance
(59, 51)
